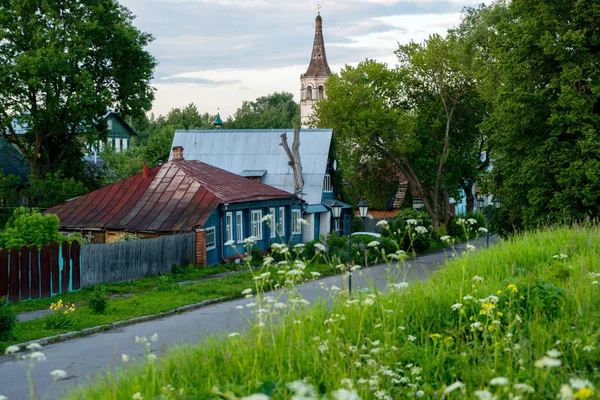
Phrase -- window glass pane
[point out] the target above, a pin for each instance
(272, 224)
(239, 226)
(327, 183)
(210, 238)
(229, 226)
(257, 223)
(281, 221)
(296, 227)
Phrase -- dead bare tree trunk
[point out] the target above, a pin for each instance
(294, 157)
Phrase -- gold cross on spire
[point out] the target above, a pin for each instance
(319, 9)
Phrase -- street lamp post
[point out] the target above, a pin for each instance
(480, 203)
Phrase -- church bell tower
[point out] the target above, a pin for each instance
(312, 83)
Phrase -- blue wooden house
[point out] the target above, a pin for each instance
(187, 196)
(258, 154)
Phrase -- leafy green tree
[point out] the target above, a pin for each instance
(123, 164)
(28, 227)
(275, 111)
(543, 64)
(389, 116)
(62, 65)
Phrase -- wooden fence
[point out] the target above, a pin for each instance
(30, 273)
(120, 262)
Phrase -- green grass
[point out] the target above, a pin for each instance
(148, 296)
(409, 341)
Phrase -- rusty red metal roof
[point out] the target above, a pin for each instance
(176, 197)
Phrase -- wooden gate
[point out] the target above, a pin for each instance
(30, 273)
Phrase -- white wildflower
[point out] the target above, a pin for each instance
(578, 383)
(470, 247)
(267, 218)
(3, 397)
(412, 222)
(472, 221)
(457, 306)
(411, 338)
(151, 357)
(468, 297)
(445, 238)
(137, 396)
(234, 334)
(382, 223)
(229, 243)
(374, 243)
(523, 387)
(421, 230)
(482, 230)
(478, 278)
(247, 291)
(320, 247)
(420, 393)
(302, 221)
(11, 349)
(33, 346)
(588, 348)
(553, 353)
(454, 386)
(301, 389)
(499, 381)
(279, 305)
(256, 396)
(37, 356)
(124, 357)
(58, 374)
(547, 362)
(299, 246)
(154, 338)
(483, 395)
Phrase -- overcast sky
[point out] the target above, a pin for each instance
(218, 53)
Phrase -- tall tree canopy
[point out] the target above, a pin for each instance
(62, 66)
(275, 111)
(419, 119)
(542, 60)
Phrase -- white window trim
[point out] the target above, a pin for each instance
(214, 233)
(273, 225)
(327, 186)
(256, 220)
(296, 226)
(228, 226)
(281, 230)
(239, 234)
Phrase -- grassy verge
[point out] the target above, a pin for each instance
(146, 296)
(519, 320)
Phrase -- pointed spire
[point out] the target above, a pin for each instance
(318, 62)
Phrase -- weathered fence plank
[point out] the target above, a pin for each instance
(24, 268)
(35, 273)
(66, 269)
(13, 290)
(119, 262)
(3, 272)
(75, 260)
(54, 273)
(45, 271)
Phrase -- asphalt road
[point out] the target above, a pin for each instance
(85, 357)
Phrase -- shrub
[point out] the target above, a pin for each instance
(28, 227)
(98, 301)
(8, 320)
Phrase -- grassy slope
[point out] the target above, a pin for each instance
(411, 340)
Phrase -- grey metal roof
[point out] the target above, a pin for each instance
(260, 149)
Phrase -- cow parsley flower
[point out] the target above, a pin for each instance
(229, 243)
(320, 247)
(445, 238)
(523, 387)
(412, 222)
(12, 349)
(547, 362)
(345, 394)
(374, 243)
(383, 223)
(37, 356)
(482, 230)
(499, 381)
(472, 221)
(457, 306)
(421, 230)
(58, 374)
(256, 396)
(124, 358)
(483, 395)
(33, 346)
(453, 387)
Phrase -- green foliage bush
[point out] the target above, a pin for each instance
(98, 301)
(8, 320)
(28, 227)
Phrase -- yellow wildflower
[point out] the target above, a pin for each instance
(435, 336)
(513, 288)
(499, 292)
(498, 313)
(583, 393)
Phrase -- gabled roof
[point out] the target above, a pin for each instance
(176, 197)
(128, 127)
(12, 161)
(238, 150)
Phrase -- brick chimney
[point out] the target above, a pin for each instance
(177, 153)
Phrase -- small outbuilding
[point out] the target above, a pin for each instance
(187, 196)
